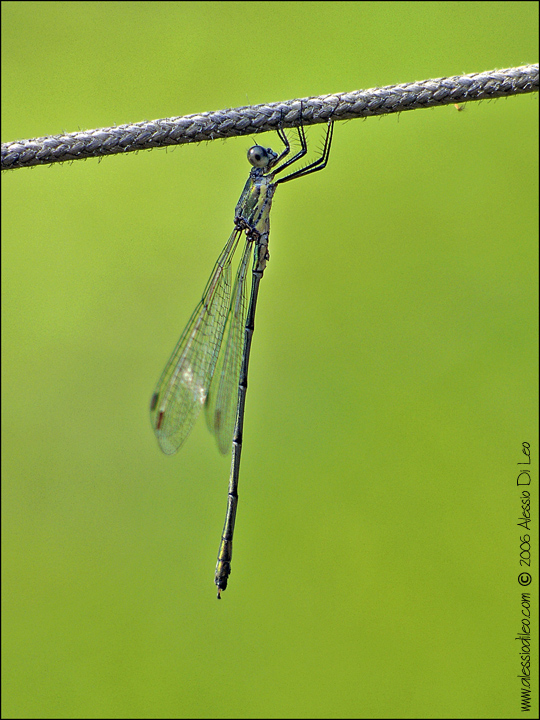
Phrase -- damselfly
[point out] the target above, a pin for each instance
(198, 373)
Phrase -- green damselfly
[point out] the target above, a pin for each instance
(204, 370)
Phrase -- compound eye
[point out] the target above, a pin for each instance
(258, 156)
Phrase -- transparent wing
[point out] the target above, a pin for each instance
(222, 400)
(183, 387)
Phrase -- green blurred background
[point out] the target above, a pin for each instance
(393, 374)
